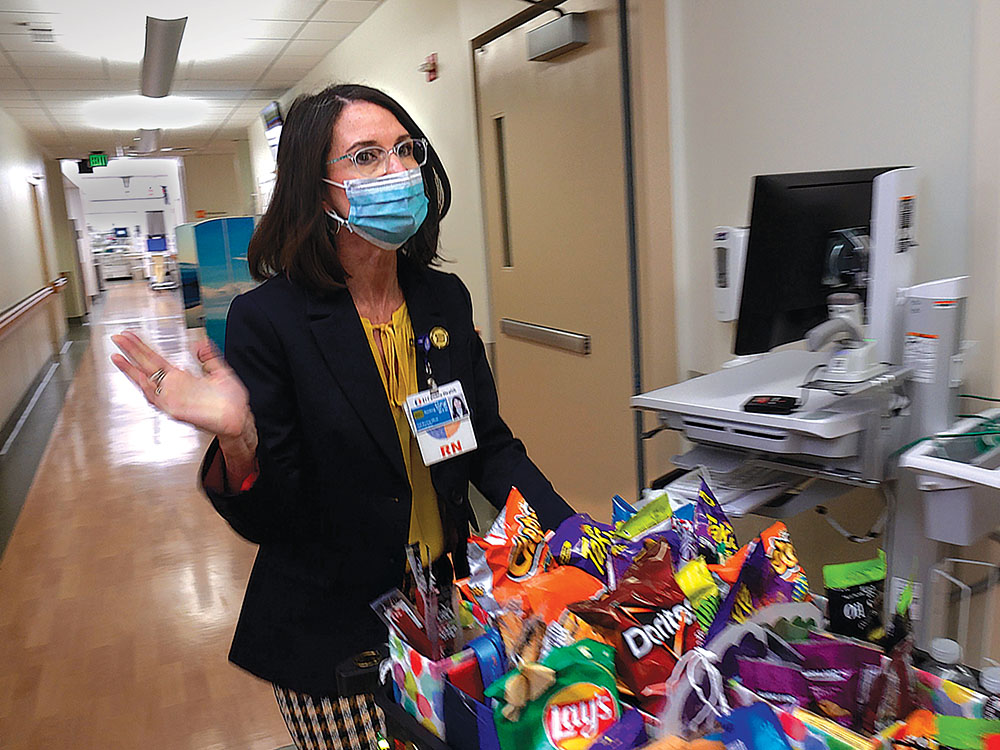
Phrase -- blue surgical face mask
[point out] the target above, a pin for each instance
(385, 210)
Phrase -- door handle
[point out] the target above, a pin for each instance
(579, 343)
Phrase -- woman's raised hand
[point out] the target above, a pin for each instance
(215, 402)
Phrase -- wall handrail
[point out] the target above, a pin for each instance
(13, 315)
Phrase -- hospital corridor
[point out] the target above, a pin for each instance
(499, 374)
(119, 590)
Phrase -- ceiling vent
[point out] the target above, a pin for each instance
(41, 33)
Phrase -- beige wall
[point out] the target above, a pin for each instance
(19, 252)
(444, 108)
(212, 185)
(984, 260)
(26, 349)
(766, 87)
(64, 242)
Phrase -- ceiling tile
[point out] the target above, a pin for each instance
(331, 31)
(295, 64)
(267, 47)
(39, 58)
(21, 40)
(65, 73)
(346, 10)
(317, 49)
(245, 68)
(272, 29)
(88, 84)
(222, 90)
(280, 80)
(298, 10)
(122, 71)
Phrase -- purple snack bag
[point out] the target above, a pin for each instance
(780, 684)
(627, 733)
(624, 552)
(584, 543)
(758, 585)
(712, 526)
(831, 668)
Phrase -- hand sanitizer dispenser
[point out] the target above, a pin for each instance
(729, 247)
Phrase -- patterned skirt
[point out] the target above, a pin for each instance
(350, 723)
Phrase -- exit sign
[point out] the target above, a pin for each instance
(98, 160)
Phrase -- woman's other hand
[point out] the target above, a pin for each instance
(215, 402)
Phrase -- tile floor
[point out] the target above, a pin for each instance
(120, 586)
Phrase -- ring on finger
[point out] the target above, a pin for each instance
(158, 390)
(157, 377)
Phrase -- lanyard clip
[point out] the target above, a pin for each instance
(424, 342)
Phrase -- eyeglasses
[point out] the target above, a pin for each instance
(373, 161)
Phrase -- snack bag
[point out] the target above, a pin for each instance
(512, 552)
(713, 527)
(548, 594)
(782, 685)
(855, 592)
(565, 631)
(755, 726)
(651, 517)
(770, 574)
(831, 668)
(627, 734)
(570, 713)
(621, 510)
(648, 620)
(686, 544)
(585, 543)
(701, 590)
(625, 552)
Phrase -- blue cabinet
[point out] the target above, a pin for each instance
(212, 258)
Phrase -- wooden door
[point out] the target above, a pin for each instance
(552, 160)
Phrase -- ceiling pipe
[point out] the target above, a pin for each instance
(163, 42)
(149, 141)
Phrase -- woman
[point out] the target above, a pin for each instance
(458, 409)
(314, 460)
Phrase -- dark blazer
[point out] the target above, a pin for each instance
(330, 509)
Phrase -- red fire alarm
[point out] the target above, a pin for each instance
(430, 66)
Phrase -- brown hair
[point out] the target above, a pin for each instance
(295, 236)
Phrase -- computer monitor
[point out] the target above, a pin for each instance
(121, 232)
(793, 218)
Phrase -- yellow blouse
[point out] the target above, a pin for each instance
(399, 376)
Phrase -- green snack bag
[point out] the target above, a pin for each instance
(578, 706)
(964, 734)
(855, 592)
(650, 517)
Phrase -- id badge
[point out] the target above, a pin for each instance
(442, 423)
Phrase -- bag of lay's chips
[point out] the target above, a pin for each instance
(580, 705)
(513, 551)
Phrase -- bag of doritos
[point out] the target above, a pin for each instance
(648, 619)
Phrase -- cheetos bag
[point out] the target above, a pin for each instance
(512, 552)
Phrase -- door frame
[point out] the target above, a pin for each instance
(536, 9)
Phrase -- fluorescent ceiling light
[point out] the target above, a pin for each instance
(116, 29)
(144, 113)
